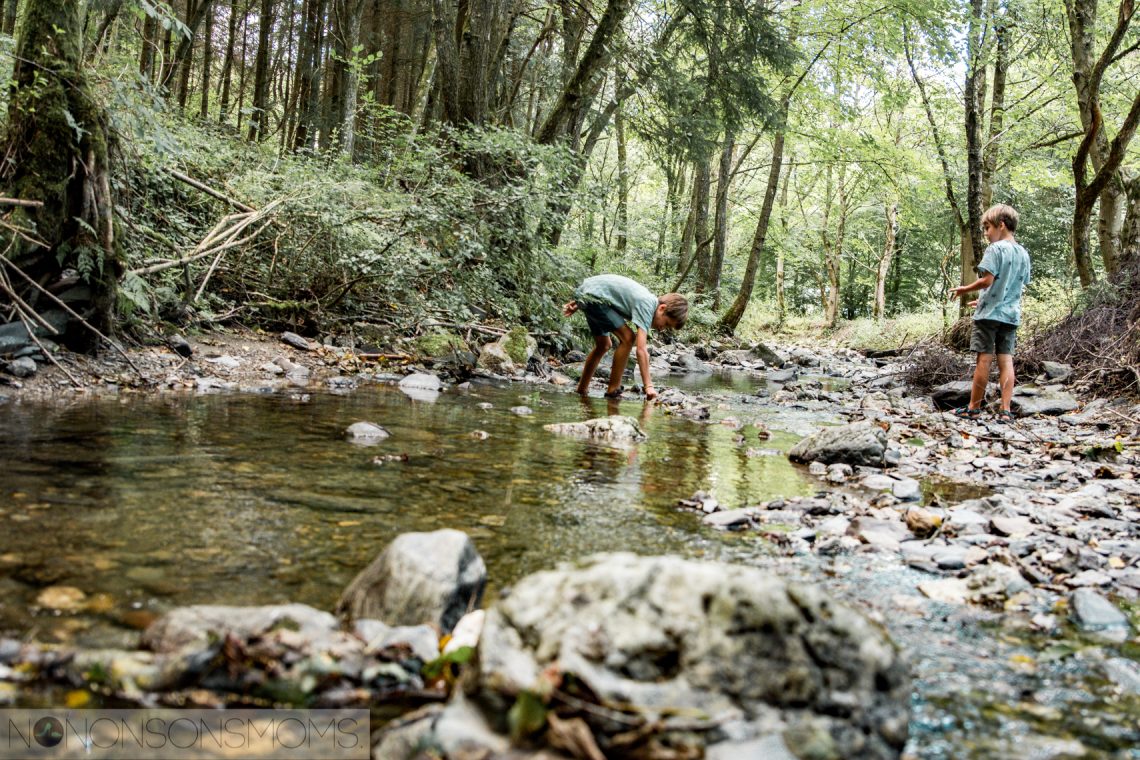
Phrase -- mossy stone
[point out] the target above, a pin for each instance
(438, 344)
(515, 343)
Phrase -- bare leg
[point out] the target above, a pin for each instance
(621, 356)
(601, 345)
(981, 380)
(1006, 379)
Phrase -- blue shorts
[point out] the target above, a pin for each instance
(602, 318)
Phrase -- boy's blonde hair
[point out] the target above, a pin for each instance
(676, 308)
(1001, 214)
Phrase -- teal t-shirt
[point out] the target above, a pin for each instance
(1008, 262)
(629, 298)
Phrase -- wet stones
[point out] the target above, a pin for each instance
(860, 443)
(23, 368)
(419, 578)
(199, 626)
(365, 432)
(617, 429)
(421, 387)
(1095, 614)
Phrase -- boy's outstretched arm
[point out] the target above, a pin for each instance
(569, 308)
(642, 346)
(982, 282)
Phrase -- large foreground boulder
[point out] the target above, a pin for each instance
(419, 578)
(860, 443)
(627, 655)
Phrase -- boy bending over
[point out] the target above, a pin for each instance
(609, 301)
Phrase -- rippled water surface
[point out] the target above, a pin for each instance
(147, 504)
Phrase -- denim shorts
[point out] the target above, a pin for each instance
(602, 318)
(993, 337)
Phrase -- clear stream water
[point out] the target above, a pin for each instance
(150, 503)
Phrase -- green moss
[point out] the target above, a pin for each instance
(438, 344)
(515, 344)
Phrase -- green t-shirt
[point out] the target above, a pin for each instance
(629, 298)
(1008, 262)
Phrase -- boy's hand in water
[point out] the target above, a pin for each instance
(650, 393)
(569, 308)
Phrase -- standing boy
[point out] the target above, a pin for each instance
(609, 301)
(1004, 273)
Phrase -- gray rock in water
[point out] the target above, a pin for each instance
(25, 366)
(199, 626)
(770, 356)
(494, 358)
(728, 642)
(1042, 402)
(1094, 613)
(730, 519)
(616, 429)
(419, 578)
(860, 443)
(783, 375)
(296, 341)
(365, 432)
(421, 387)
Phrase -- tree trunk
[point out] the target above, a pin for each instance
(720, 235)
(885, 260)
(834, 252)
(1088, 71)
(146, 55)
(259, 118)
(184, 65)
(1130, 233)
(207, 64)
(100, 36)
(701, 187)
(975, 99)
(58, 148)
(997, 116)
(568, 114)
(10, 16)
(732, 317)
(781, 307)
(685, 248)
(310, 99)
(623, 186)
(228, 64)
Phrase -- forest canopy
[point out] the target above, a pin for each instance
(398, 163)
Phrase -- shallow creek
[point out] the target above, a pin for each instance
(147, 504)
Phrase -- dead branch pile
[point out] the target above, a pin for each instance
(1102, 342)
(957, 336)
(931, 364)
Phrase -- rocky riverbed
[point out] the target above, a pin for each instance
(1027, 536)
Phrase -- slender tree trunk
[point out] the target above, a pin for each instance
(242, 64)
(720, 238)
(259, 118)
(701, 186)
(149, 41)
(623, 185)
(834, 252)
(185, 59)
(997, 116)
(732, 317)
(781, 307)
(885, 260)
(10, 9)
(228, 64)
(100, 35)
(1130, 233)
(207, 64)
(311, 78)
(347, 36)
(688, 233)
(975, 98)
(58, 153)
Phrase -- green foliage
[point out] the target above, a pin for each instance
(527, 716)
(445, 662)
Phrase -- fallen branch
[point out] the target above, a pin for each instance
(72, 312)
(21, 202)
(209, 190)
(219, 239)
